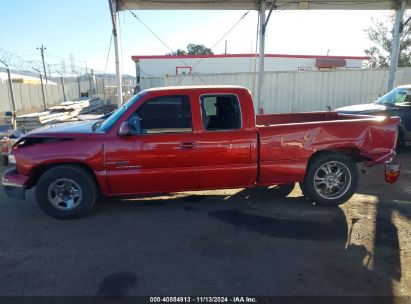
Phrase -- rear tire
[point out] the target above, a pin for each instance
(331, 179)
(66, 192)
(302, 187)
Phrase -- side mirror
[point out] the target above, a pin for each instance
(135, 124)
(126, 129)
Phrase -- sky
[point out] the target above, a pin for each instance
(82, 28)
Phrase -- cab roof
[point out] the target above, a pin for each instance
(203, 87)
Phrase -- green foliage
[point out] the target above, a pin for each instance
(192, 49)
(380, 33)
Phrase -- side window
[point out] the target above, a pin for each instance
(400, 96)
(403, 97)
(220, 112)
(164, 114)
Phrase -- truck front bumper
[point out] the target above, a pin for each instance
(14, 184)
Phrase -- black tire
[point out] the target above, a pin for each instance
(75, 176)
(281, 191)
(400, 140)
(5, 160)
(327, 193)
(302, 187)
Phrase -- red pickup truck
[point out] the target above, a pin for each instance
(194, 138)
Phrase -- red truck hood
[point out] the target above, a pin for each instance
(66, 142)
(76, 129)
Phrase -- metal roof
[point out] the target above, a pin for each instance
(137, 57)
(245, 5)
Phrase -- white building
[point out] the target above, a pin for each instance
(18, 78)
(160, 66)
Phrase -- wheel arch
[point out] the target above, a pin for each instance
(39, 170)
(353, 153)
(349, 154)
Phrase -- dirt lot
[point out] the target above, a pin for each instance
(236, 242)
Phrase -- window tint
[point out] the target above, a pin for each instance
(220, 112)
(399, 96)
(165, 114)
(403, 97)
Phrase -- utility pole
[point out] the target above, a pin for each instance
(42, 88)
(62, 84)
(395, 49)
(42, 48)
(260, 87)
(78, 85)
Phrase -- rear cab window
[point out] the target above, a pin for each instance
(220, 112)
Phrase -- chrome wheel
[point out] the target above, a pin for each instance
(64, 194)
(332, 180)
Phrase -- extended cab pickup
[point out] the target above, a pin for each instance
(194, 138)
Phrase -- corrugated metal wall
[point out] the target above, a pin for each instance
(283, 91)
(300, 91)
(28, 97)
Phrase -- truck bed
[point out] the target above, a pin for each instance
(288, 118)
(288, 140)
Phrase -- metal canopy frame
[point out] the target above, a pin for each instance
(261, 6)
(245, 4)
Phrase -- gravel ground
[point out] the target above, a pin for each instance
(232, 242)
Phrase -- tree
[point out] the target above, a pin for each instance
(192, 49)
(380, 33)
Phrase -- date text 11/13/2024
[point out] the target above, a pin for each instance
(203, 299)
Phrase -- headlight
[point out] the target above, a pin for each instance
(12, 159)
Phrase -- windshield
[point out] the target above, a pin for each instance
(112, 119)
(395, 97)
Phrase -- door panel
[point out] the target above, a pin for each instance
(152, 163)
(162, 156)
(406, 122)
(404, 112)
(227, 160)
(227, 146)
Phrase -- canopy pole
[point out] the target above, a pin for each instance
(260, 107)
(395, 49)
(114, 18)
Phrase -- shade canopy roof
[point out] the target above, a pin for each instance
(246, 5)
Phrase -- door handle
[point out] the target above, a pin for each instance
(188, 145)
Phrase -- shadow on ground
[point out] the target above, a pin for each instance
(231, 242)
(288, 246)
(391, 221)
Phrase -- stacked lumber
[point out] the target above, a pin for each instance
(69, 106)
(32, 121)
(66, 111)
(98, 109)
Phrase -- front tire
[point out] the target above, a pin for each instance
(331, 179)
(66, 192)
